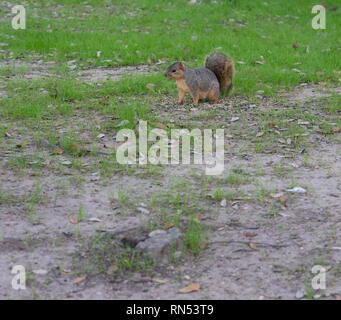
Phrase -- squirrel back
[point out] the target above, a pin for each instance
(222, 66)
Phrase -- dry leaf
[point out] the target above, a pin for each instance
(65, 272)
(57, 151)
(79, 279)
(283, 199)
(169, 224)
(192, 287)
(21, 144)
(259, 134)
(250, 234)
(149, 60)
(158, 125)
(253, 245)
(295, 45)
(159, 281)
(203, 245)
(73, 220)
(201, 217)
(336, 129)
(105, 100)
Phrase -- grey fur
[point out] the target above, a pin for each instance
(202, 79)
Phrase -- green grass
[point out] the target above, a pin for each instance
(130, 32)
(104, 255)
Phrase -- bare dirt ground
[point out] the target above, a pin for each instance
(259, 246)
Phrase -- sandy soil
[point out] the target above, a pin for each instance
(250, 254)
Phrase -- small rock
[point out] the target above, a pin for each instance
(223, 203)
(143, 210)
(156, 232)
(157, 245)
(303, 122)
(297, 190)
(40, 272)
(122, 123)
(177, 254)
(300, 294)
(67, 234)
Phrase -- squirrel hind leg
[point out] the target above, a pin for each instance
(213, 95)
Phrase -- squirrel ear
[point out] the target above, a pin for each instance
(181, 66)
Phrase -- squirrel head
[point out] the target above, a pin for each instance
(175, 71)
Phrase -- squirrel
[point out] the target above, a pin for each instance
(203, 83)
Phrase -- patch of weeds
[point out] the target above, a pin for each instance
(18, 163)
(8, 198)
(35, 198)
(105, 255)
(81, 213)
(309, 291)
(180, 196)
(320, 261)
(236, 177)
(124, 201)
(332, 104)
(109, 166)
(282, 171)
(71, 144)
(221, 194)
(194, 236)
(273, 211)
(149, 170)
(262, 194)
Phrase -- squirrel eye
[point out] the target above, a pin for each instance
(173, 70)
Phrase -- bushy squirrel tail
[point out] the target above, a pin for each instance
(223, 68)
